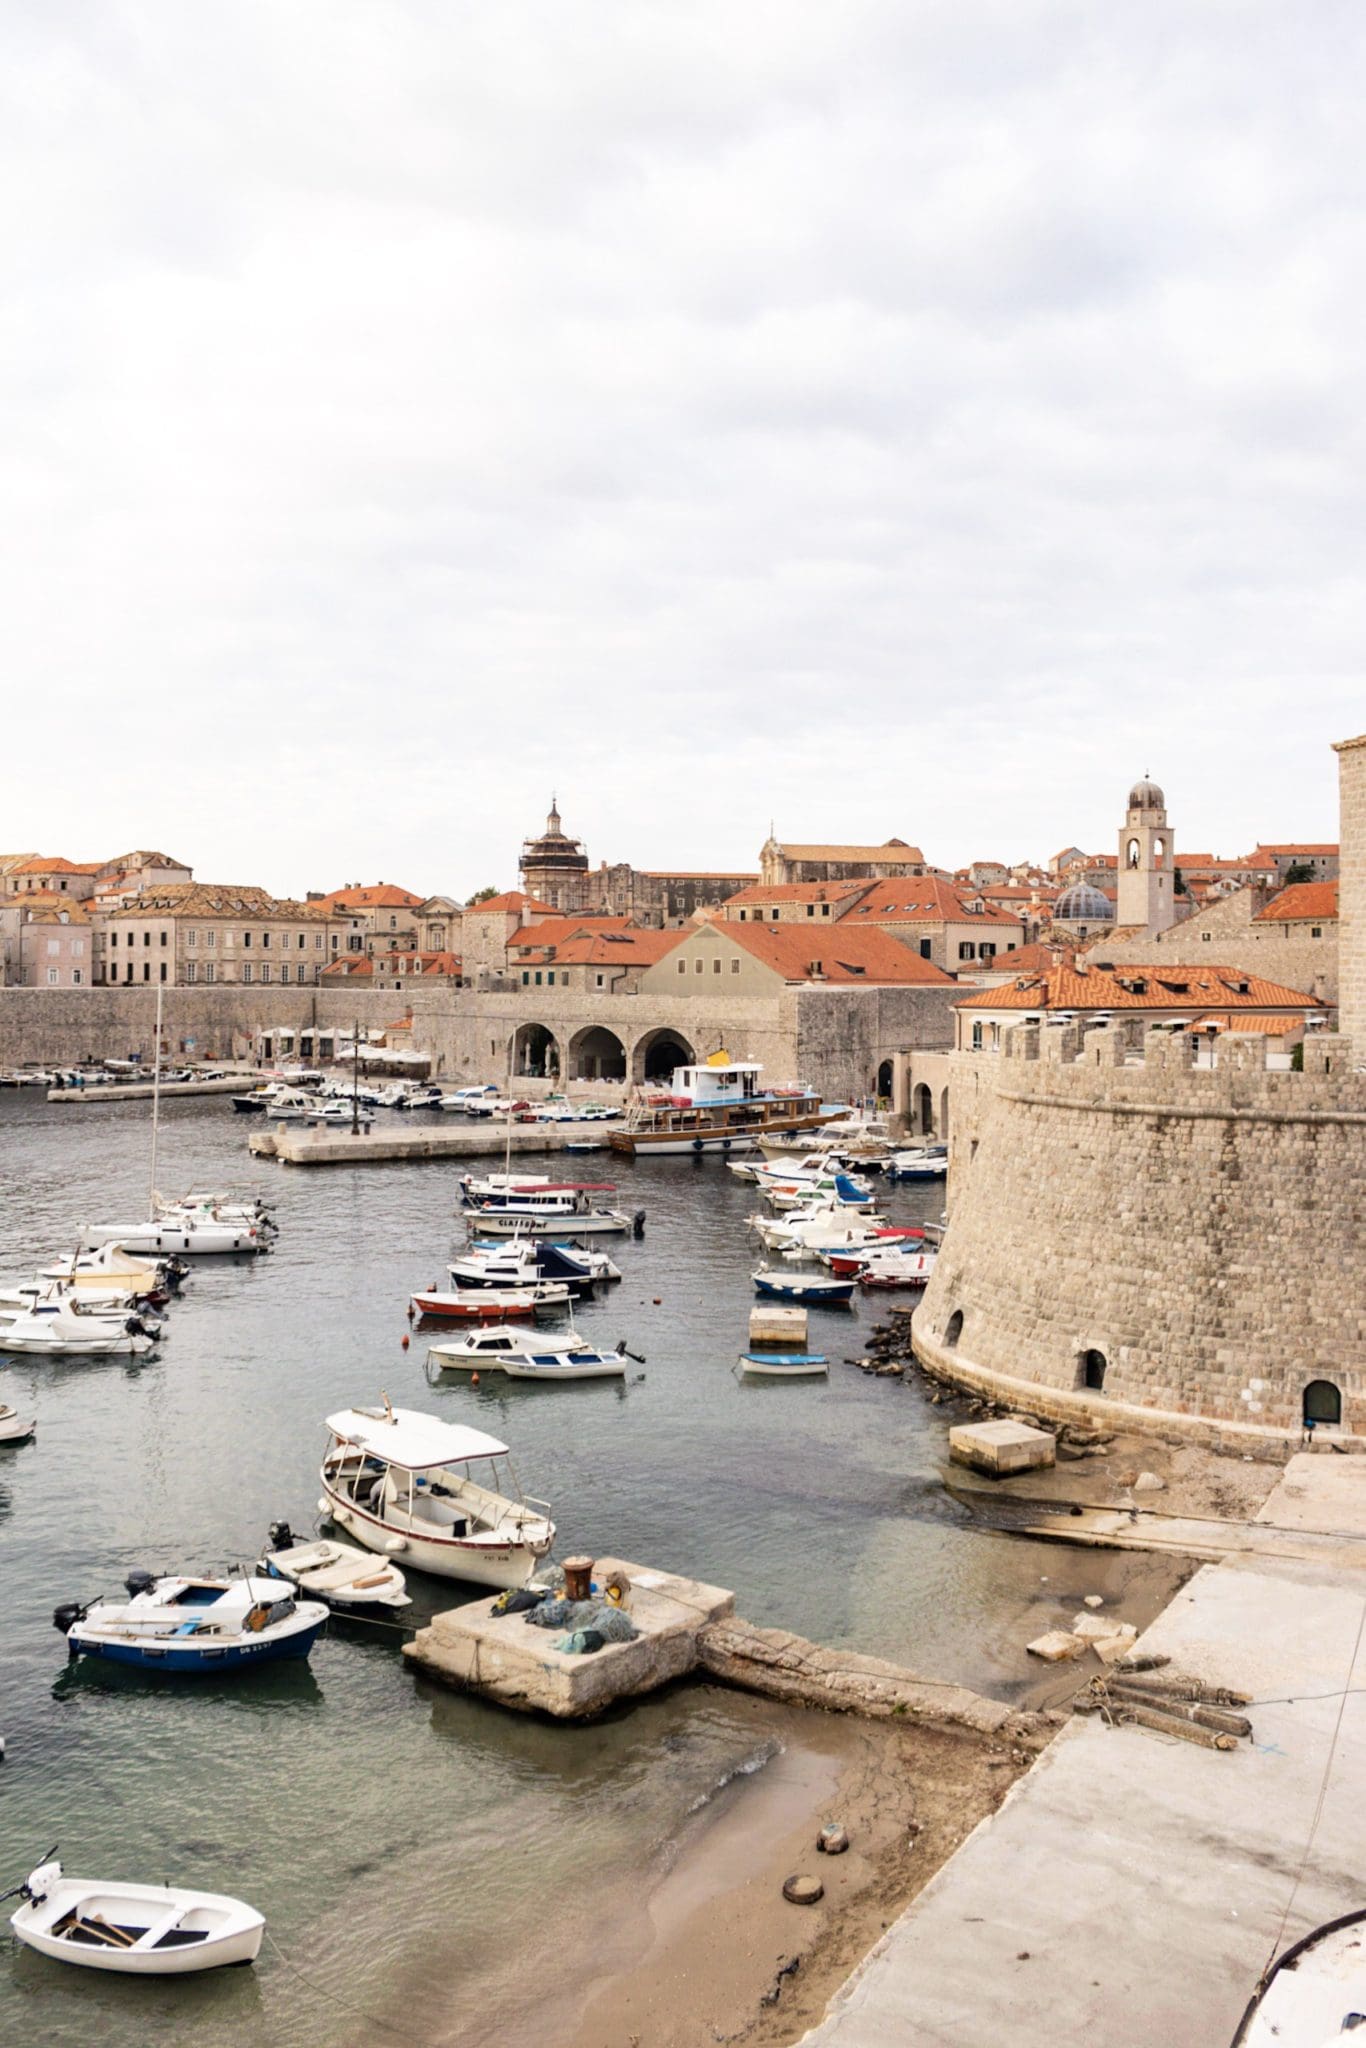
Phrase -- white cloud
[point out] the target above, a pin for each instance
(909, 418)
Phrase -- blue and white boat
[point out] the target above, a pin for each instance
(785, 1365)
(923, 1162)
(192, 1627)
(814, 1289)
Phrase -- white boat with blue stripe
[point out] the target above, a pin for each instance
(192, 1627)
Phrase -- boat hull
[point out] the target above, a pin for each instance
(188, 1662)
(784, 1366)
(142, 1907)
(503, 1566)
(648, 1144)
(838, 1292)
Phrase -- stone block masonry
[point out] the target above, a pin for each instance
(1352, 890)
(1180, 1243)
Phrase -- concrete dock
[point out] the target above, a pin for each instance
(302, 1145)
(143, 1091)
(505, 1659)
(1133, 1888)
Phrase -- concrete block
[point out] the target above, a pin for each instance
(1057, 1647)
(1099, 1628)
(1114, 1647)
(783, 1326)
(1000, 1448)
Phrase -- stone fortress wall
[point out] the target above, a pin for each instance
(1187, 1237)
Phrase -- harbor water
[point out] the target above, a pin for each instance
(412, 1849)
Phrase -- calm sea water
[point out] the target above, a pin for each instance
(408, 1845)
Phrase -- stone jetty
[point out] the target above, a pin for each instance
(318, 1146)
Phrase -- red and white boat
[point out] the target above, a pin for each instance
(489, 1304)
(899, 1269)
(848, 1265)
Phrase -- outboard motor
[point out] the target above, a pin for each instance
(638, 1224)
(68, 1614)
(139, 1582)
(281, 1536)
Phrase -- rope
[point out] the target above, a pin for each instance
(1323, 1794)
(346, 2004)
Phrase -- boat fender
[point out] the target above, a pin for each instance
(139, 1582)
(395, 1545)
(65, 1617)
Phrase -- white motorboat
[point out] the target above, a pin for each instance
(922, 1162)
(536, 1221)
(108, 1265)
(478, 1188)
(179, 1234)
(489, 1304)
(114, 1302)
(179, 1626)
(404, 1483)
(525, 1264)
(529, 1355)
(815, 1230)
(836, 1190)
(15, 1428)
(1315, 1994)
(905, 1268)
(349, 1580)
(62, 1330)
(144, 1930)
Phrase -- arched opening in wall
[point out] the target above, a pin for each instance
(944, 1115)
(658, 1053)
(535, 1054)
(884, 1081)
(1323, 1403)
(953, 1330)
(922, 1110)
(596, 1054)
(1091, 1369)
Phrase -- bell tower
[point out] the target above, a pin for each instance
(1146, 894)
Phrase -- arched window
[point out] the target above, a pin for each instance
(1131, 855)
(1323, 1403)
(1091, 1370)
(1159, 849)
(953, 1330)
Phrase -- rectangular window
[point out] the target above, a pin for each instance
(698, 965)
(246, 971)
(774, 913)
(163, 970)
(54, 946)
(191, 969)
(538, 977)
(526, 978)
(977, 1037)
(825, 910)
(75, 977)
(53, 976)
(265, 938)
(682, 966)
(192, 938)
(210, 939)
(147, 938)
(246, 938)
(986, 951)
(925, 945)
(209, 970)
(716, 965)
(147, 970)
(303, 940)
(1316, 931)
(265, 970)
(163, 938)
(811, 910)
(967, 950)
(114, 936)
(735, 966)
(318, 940)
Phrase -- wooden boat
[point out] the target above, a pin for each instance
(802, 1287)
(342, 1577)
(1315, 1994)
(717, 1106)
(404, 1483)
(490, 1304)
(785, 1365)
(185, 1627)
(143, 1930)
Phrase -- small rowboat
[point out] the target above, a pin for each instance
(348, 1580)
(489, 1304)
(144, 1930)
(14, 1428)
(785, 1365)
(804, 1287)
(185, 1627)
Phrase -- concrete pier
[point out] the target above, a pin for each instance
(143, 1091)
(301, 1145)
(503, 1658)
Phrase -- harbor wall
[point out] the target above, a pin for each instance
(67, 1027)
(1187, 1237)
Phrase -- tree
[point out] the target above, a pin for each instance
(1178, 882)
(480, 896)
(1299, 871)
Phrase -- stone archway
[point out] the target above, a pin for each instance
(535, 1053)
(658, 1053)
(596, 1054)
(1091, 1370)
(1322, 1403)
(883, 1089)
(922, 1110)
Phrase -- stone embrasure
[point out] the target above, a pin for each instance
(1182, 1244)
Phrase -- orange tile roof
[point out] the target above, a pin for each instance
(349, 964)
(38, 865)
(1232, 1021)
(844, 956)
(557, 931)
(49, 906)
(799, 892)
(1325, 851)
(1167, 987)
(921, 899)
(380, 896)
(513, 900)
(1301, 900)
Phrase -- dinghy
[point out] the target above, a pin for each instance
(785, 1365)
(192, 1627)
(1315, 1994)
(489, 1304)
(529, 1355)
(816, 1289)
(15, 1428)
(145, 1930)
(344, 1578)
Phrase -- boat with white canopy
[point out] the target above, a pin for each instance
(141, 1930)
(405, 1484)
(1314, 1995)
(530, 1355)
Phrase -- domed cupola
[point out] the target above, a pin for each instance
(1146, 796)
(1083, 904)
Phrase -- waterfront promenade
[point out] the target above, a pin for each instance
(1132, 1888)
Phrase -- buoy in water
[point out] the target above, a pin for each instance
(474, 1379)
(658, 1302)
(407, 1340)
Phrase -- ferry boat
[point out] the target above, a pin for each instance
(715, 1107)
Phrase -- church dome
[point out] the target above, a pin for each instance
(1082, 904)
(1146, 796)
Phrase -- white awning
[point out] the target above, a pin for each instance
(411, 1439)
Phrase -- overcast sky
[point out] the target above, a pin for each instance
(881, 418)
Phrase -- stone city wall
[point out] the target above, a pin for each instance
(1352, 888)
(66, 1027)
(1195, 1233)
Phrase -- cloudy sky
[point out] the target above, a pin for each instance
(890, 417)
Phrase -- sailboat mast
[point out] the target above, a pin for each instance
(156, 1110)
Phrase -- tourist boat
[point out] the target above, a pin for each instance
(404, 1483)
(1315, 1994)
(15, 1428)
(490, 1304)
(140, 1930)
(63, 1329)
(188, 1627)
(784, 1365)
(526, 1264)
(537, 1197)
(715, 1107)
(923, 1162)
(536, 1221)
(810, 1288)
(898, 1269)
(348, 1580)
(530, 1355)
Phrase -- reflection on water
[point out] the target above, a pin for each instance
(407, 1845)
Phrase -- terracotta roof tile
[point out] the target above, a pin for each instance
(1301, 900)
(1165, 987)
(844, 956)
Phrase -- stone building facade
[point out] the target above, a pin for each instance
(1235, 932)
(555, 869)
(1352, 891)
(781, 862)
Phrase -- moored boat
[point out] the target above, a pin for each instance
(717, 1106)
(15, 1428)
(141, 1930)
(348, 1580)
(530, 1355)
(784, 1365)
(192, 1627)
(65, 1329)
(490, 1304)
(819, 1289)
(405, 1484)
